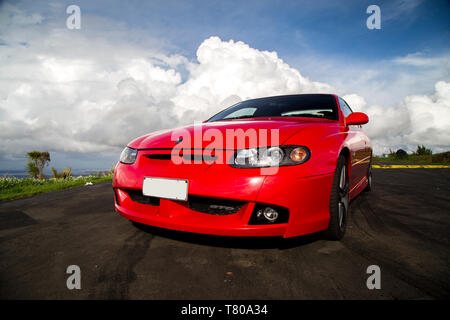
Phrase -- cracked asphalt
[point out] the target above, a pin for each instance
(403, 226)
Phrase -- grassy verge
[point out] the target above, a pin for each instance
(438, 158)
(12, 188)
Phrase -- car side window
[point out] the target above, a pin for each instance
(241, 113)
(346, 110)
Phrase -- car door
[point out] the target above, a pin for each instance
(357, 144)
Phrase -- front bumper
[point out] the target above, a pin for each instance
(306, 198)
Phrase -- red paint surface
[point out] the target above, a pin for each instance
(303, 189)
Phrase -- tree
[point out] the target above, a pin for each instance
(401, 154)
(423, 151)
(37, 160)
(32, 170)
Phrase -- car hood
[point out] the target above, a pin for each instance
(287, 127)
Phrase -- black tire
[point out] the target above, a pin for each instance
(339, 201)
(369, 178)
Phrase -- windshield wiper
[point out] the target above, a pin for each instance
(306, 115)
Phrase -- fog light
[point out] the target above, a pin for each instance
(267, 213)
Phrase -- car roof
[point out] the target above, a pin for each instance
(292, 95)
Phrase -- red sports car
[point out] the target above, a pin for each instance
(276, 166)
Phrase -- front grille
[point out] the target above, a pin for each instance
(196, 203)
(199, 157)
(214, 206)
(158, 156)
(137, 196)
(188, 157)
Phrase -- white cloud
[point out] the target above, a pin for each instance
(233, 69)
(417, 120)
(88, 91)
(13, 15)
(419, 59)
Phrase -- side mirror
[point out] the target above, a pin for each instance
(356, 118)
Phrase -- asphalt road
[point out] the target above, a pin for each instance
(403, 226)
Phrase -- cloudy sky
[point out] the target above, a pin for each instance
(140, 66)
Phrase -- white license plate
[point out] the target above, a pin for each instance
(176, 189)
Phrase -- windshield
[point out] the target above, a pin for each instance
(304, 105)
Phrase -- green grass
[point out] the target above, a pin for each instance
(438, 158)
(12, 188)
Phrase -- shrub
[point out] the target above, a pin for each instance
(441, 157)
(65, 173)
(423, 151)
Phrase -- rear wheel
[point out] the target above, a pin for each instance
(339, 201)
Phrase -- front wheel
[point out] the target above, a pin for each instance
(339, 201)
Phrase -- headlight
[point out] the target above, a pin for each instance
(270, 157)
(128, 155)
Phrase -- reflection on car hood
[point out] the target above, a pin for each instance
(286, 127)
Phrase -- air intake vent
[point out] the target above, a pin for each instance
(159, 156)
(214, 205)
(137, 196)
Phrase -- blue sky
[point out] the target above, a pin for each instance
(326, 41)
(327, 27)
(335, 28)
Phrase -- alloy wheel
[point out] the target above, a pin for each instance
(343, 198)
